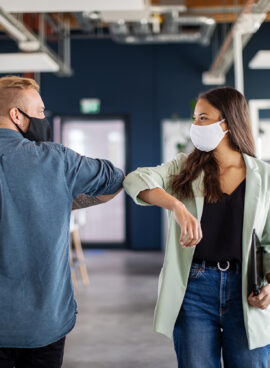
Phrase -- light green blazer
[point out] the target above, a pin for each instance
(177, 261)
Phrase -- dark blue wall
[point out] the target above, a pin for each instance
(149, 83)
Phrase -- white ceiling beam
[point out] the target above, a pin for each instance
(37, 6)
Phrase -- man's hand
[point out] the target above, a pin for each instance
(191, 232)
(262, 300)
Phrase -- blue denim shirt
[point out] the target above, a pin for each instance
(38, 182)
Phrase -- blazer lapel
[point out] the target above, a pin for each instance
(252, 194)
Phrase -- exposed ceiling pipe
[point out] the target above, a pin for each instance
(228, 41)
(84, 21)
(207, 26)
(119, 29)
(17, 30)
(161, 38)
(224, 59)
(238, 62)
(51, 22)
(201, 29)
(215, 9)
(64, 43)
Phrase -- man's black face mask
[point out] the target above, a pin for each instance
(39, 129)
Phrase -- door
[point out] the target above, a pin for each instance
(104, 138)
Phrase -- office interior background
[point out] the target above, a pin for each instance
(119, 80)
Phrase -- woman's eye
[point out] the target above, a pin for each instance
(200, 118)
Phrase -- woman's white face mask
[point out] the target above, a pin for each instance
(207, 137)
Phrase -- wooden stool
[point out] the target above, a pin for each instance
(76, 245)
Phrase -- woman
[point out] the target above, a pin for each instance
(216, 196)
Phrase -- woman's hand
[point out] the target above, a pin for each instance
(262, 300)
(191, 232)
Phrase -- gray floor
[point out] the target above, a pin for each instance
(114, 326)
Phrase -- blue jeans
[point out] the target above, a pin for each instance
(211, 320)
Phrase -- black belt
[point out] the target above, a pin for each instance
(221, 265)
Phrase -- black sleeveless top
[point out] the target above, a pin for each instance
(222, 226)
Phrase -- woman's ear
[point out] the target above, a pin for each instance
(224, 125)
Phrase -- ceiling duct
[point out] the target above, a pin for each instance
(119, 29)
(247, 23)
(87, 20)
(142, 28)
(157, 7)
(174, 29)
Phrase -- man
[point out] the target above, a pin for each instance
(38, 183)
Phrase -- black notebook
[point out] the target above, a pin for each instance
(257, 264)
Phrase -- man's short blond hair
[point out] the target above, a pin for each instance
(11, 91)
(12, 81)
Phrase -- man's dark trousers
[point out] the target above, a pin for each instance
(50, 356)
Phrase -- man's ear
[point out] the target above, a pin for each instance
(15, 116)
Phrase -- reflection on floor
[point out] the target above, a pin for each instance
(114, 326)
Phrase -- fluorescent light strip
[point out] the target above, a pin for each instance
(30, 62)
(261, 60)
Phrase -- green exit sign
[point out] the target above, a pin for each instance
(90, 105)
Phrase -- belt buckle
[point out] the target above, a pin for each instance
(223, 269)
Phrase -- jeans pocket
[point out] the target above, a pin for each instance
(195, 272)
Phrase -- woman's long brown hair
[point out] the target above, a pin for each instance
(233, 107)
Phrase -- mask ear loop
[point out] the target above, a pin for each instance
(27, 116)
(224, 131)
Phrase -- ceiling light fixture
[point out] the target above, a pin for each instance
(27, 62)
(261, 60)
